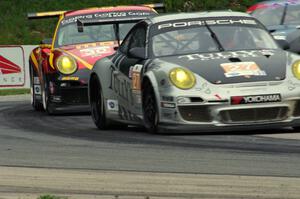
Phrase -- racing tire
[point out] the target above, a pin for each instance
(48, 106)
(150, 109)
(36, 104)
(97, 104)
(296, 128)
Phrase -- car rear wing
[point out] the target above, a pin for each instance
(92, 22)
(156, 6)
(52, 14)
(40, 15)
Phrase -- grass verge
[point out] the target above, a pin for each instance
(51, 197)
(4, 92)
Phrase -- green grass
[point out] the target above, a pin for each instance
(16, 29)
(51, 197)
(4, 92)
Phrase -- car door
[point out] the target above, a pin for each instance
(127, 100)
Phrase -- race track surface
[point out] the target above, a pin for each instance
(34, 139)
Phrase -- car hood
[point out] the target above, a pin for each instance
(235, 66)
(87, 54)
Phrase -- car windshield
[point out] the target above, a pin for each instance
(68, 34)
(276, 15)
(200, 40)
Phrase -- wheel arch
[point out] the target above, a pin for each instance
(151, 78)
(92, 85)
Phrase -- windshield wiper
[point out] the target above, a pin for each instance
(214, 36)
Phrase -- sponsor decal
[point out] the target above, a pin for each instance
(112, 105)
(254, 99)
(226, 55)
(96, 51)
(36, 80)
(121, 86)
(37, 89)
(105, 15)
(167, 105)
(181, 24)
(136, 77)
(245, 69)
(91, 45)
(67, 78)
(130, 72)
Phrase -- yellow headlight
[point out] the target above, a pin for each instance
(66, 65)
(182, 78)
(296, 69)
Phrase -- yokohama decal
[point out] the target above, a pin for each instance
(254, 99)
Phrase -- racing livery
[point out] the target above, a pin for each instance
(282, 19)
(197, 72)
(60, 67)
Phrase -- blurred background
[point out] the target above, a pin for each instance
(16, 29)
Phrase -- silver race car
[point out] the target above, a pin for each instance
(197, 72)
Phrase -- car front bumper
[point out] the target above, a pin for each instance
(214, 111)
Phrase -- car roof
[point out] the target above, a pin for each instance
(107, 9)
(170, 17)
(268, 4)
(278, 1)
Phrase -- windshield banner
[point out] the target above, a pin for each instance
(106, 15)
(200, 22)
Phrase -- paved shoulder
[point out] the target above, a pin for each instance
(144, 184)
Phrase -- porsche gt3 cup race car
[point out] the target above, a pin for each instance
(60, 67)
(282, 19)
(197, 72)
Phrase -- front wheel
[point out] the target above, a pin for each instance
(48, 106)
(35, 90)
(296, 128)
(150, 109)
(98, 105)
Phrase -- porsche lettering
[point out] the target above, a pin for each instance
(208, 22)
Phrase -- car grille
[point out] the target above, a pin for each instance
(75, 96)
(297, 109)
(254, 115)
(195, 113)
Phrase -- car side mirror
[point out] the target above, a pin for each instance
(46, 41)
(283, 44)
(137, 52)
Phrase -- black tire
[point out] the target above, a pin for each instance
(296, 128)
(97, 104)
(150, 108)
(36, 104)
(48, 106)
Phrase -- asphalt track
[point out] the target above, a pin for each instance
(33, 139)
